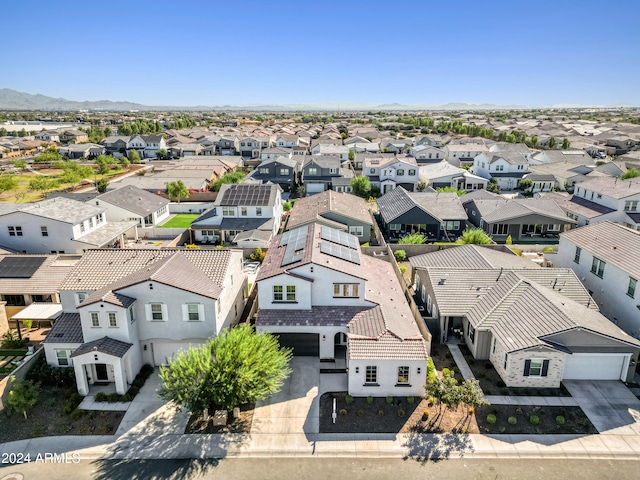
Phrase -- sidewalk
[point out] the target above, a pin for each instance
(462, 364)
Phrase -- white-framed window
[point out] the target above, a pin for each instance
(156, 312)
(357, 230)
(193, 312)
(15, 231)
(631, 288)
(91, 222)
(81, 297)
(333, 170)
(264, 170)
(278, 293)
(345, 290)
(312, 171)
(576, 257)
(553, 228)
(99, 218)
(500, 229)
(95, 320)
(403, 374)
(412, 172)
(132, 315)
(44, 232)
(243, 211)
(597, 267)
(373, 170)
(400, 171)
(395, 227)
(258, 211)
(371, 374)
(450, 225)
(471, 332)
(499, 168)
(284, 171)
(63, 358)
(113, 319)
(631, 206)
(535, 367)
(291, 293)
(81, 227)
(229, 211)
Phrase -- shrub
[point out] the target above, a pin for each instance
(369, 400)
(534, 420)
(76, 414)
(400, 255)
(27, 323)
(413, 239)
(431, 402)
(146, 371)
(512, 420)
(360, 413)
(500, 384)
(389, 400)
(471, 411)
(101, 397)
(401, 413)
(410, 400)
(446, 372)
(547, 249)
(560, 420)
(381, 413)
(113, 397)
(343, 412)
(133, 391)
(516, 251)
(403, 269)
(425, 415)
(9, 340)
(491, 419)
(348, 399)
(519, 411)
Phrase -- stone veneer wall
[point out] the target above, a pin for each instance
(513, 376)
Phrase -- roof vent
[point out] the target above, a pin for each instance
(442, 281)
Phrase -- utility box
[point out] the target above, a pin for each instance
(220, 418)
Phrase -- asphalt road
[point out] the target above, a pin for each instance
(326, 469)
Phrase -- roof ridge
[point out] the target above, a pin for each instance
(508, 293)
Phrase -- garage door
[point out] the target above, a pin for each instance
(314, 187)
(588, 366)
(303, 344)
(163, 351)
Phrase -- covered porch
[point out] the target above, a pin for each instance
(102, 362)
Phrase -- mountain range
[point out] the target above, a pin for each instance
(14, 100)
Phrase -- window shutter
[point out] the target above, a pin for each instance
(185, 313)
(147, 311)
(545, 367)
(165, 313)
(201, 312)
(527, 367)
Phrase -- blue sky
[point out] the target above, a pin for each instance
(196, 52)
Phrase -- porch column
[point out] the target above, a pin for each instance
(81, 378)
(120, 377)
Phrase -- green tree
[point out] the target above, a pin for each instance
(631, 173)
(552, 142)
(177, 190)
(3, 132)
(8, 183)
(236, 367)
(42, 184)
(525, 184)
(23, 395)
(493, 186)
(352, 155)
(457, 191)
(475, 236)
(470, 394)
(230, 177)
(48, 156)
(102, 184)
(286, 206)
(103, 164)
(163, 154)
(533, 141)
(413, 239)
(565, 143)
(124, 161)
(361, 186)
(133, 156)
(21, 164)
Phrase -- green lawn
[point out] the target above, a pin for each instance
(181, 220)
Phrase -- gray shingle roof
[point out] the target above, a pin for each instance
(66, 329)
(470, 257)
(612, 187)
(440, 205)
(307, 209)
(64, 210)
(502, 209)
(106, 345)
(134, 199)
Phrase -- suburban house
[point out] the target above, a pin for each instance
(443, 174)
(606, 257)
(147, 145)
(540, 182)
(275, 152)
(226, 145)
(131, 203)
(284, 140)
(537, 326)
(116, 145)
(396, 145)
(284, 171)
(341, 151)
(82, 150)
(438, 216)
(241, 208)
(341, 211)
(426, 154)
(48, 136)
(125, 308)
(522, 219)
(60, 225)
(252, 147)
(388, 173)
(324, 298)
(73, 136)
(463, 154)
(507, 168)
(430, 140)
(318, 172)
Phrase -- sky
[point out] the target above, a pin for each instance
(197, 52)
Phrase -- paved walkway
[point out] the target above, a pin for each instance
(462, 364)
(531, 400)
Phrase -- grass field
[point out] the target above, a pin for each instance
(181, 220)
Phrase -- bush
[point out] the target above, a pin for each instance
(400, 255)
(560, 420)
(369, 400)
(133, 391)
(410, 400)
(431, 402)
(360, 413)
(491, 419)
(403, 269)
(9, 340)
(389, 400)
(517, 252)
(77, 414)
(519, 411)
(348, 399)
(425, 415)
(512, 420)
(547, 249)
(446, 372)
(113, 397)
(343, 412)
(381, 413)
(534, 420)
(101, 397)
(401, 413)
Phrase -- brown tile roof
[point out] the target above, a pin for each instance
(109, 346)
(308, 209)
(46, 280)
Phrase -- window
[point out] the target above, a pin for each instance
(91, 222)
(95, 319)
(450, 225)
(631, 289)
(258, 211)
(264, 170)
(333, 170)
(82, 296)
(493, 347)
(536, 367)
(345, 290)
(15, 231)
(44, 232)
(500, 229)
(356, 230)
(373, 170)
(403, 374)
(400, 171)
(113, 320)
(291, 293)
(412, 172)
(394, 227)
(63, 359)
(499, 168)
(471, 333)
(284, 171)
(371, 375)
(631, 206)
(597, 267)
(520, 167)
(243, 211)
(553, 228)
(506, 357)
(99, 218)
(82, 227)
(156, 312)
(278, 293)
(576, 257)
(193, 312)
(14, 300)
(132, 315)
(312, 171)
(228, 211)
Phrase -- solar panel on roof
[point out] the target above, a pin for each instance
(20, 267)
(338, 236)
(340, 252)
(295, 241)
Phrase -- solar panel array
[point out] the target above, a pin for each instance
(339, 251)
(20, 267)
(247, 195)
(295, 241)
(337, 236)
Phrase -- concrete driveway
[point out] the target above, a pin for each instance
(295, 408)
(609, 404)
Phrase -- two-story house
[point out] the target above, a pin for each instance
(252, 147)
(463, 154)
(60, 225)
(443, 174)
(606, 257)
(318, 172)
(125, 308)
(116, 145)
(507, 168)
(326, 299)
(48, 136)
(274, 152)
(389, 173)
(426, 154)
(147, 145)
(129, 203)
(284, 140)
(342, 151)
(255, 211)
(284, 171)
(226, 145)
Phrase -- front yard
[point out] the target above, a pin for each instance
(523, 419)
(242, 424)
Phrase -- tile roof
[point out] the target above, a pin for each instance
(470, 257)
(106, 345)
(611, 242)
(612, 187)
(63, 210)
(320, 316)
(106, 233)
(134, 199)
(440, 205)
(66, 329)
(308, 209)
(502, 209)
(109, 296)
(45, 280)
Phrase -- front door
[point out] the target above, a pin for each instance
(101, 372)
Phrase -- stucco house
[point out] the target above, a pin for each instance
(388, 173)
(284, 171)
(130, 203)
(443, 174)
(125, 308)
(507, 168)
(319, 171)
(324, 298)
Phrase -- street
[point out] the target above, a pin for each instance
(327, 468)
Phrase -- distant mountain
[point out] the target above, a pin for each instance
(14, 100)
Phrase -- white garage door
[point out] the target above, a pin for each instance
(315, 187)
(163, 351)
(589, 366)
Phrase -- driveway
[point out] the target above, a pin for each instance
(295, 408)
(609, 404)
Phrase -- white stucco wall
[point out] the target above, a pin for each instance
(387, 378)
